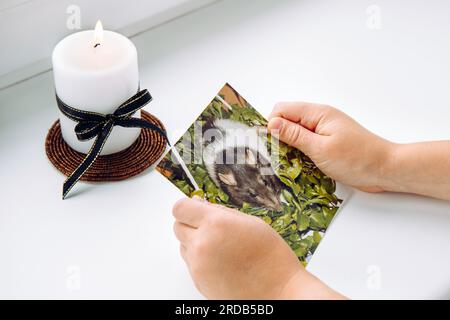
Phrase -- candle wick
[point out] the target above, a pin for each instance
(96, 45)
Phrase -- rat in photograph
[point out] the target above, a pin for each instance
(237, 160)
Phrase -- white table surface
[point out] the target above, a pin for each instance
(115, 240)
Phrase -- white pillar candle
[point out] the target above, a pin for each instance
(96, 70)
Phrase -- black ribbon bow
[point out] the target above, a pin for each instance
(99, 126)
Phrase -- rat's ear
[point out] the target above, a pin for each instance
(228, 178)
(250, 157)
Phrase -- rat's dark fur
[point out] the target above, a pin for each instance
(243, 172)
(244, 182)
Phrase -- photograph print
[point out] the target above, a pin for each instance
(228, 157)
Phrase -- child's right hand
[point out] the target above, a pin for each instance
(338, 145)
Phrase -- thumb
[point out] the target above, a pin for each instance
(293, 134)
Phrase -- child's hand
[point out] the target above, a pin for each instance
(337, 144)
(231, 255)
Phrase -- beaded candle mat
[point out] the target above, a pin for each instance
(144, 152)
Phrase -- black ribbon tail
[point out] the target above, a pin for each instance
(92, 155)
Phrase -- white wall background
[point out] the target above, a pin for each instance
(29, 29)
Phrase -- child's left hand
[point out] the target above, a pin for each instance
(231, 255)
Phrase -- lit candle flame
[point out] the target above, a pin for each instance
(98, 34)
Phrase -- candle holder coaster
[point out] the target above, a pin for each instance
(144, 152)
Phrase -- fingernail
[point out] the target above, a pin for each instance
(275, 124)
(196, 197)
